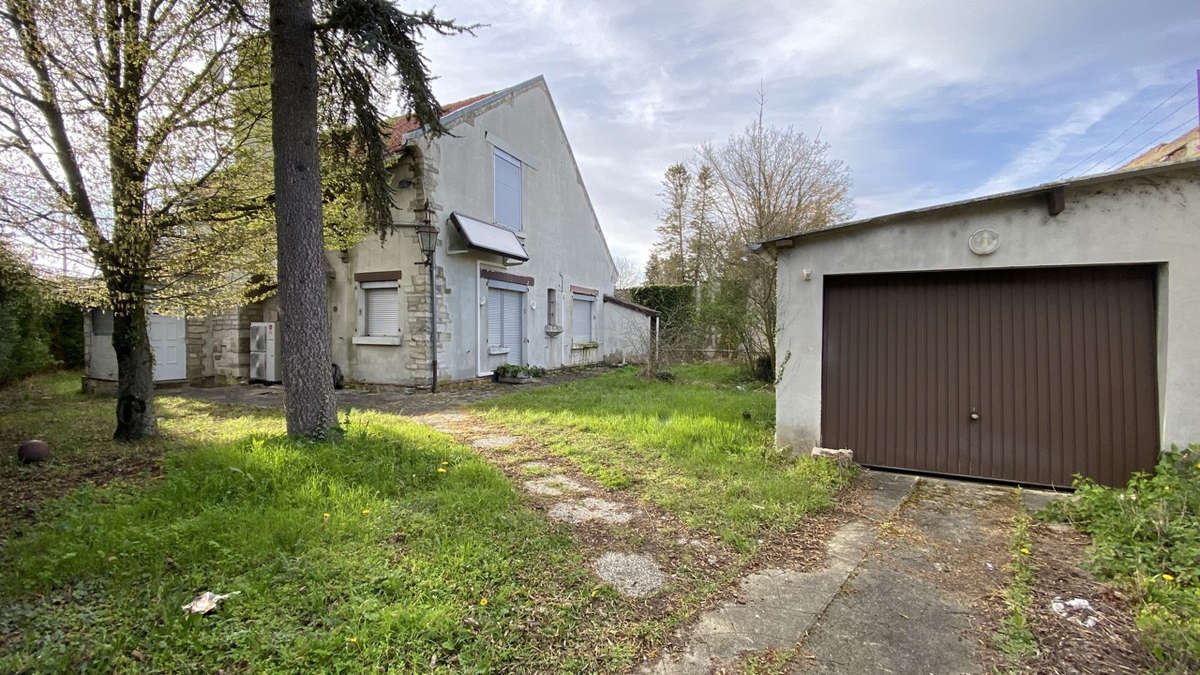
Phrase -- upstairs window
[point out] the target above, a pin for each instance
(551, 307)
(508, 190)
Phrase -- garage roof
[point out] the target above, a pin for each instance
(1050, 190)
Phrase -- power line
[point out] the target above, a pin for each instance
(1164, 137)
(1126, 130)
(1152, 127)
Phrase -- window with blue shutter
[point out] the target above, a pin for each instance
(508, 190)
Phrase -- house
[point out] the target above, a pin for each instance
(1027, 336)
(523, 274)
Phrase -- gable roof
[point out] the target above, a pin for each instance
(1043, 189)
(399, 127)
(407, 129)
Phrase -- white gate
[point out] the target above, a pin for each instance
(168, 340)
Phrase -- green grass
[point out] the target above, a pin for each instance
(1013, 638)
(701, 447)
(1146, 541)
(394, 577)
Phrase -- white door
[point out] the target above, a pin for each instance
(170, 351)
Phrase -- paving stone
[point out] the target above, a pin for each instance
(633, 575)
(554, 486)
(591, 508)
(494, 442)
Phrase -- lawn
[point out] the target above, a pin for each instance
(396, 548)
(701, 446)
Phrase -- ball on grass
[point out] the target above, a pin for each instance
(33, 451)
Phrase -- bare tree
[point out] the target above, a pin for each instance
(772, 181)
(628, 273)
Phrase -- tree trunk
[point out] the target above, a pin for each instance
(135, 372)
(307, 355)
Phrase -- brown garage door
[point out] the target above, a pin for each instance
(1020, 375)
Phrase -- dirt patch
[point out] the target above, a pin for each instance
(590, 508)
(1111, 645)
(633, 575)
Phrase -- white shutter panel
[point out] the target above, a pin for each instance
(512, 323)
(495, 317)
(508, 191)
(383, 311)
(581, 320)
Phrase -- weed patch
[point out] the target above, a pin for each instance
(1146, 540)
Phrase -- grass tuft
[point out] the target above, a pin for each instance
(1013, 638)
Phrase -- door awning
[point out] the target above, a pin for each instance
(487, 237)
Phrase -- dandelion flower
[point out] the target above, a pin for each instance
(325, 516)
(593, 592)
(1025, 550)
(483, 601)
(366, 511)
(441, 470)
(1168, 577)
(445, 463)
(354, 639)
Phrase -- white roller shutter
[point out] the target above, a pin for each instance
(581, 320)
(495, 317)
(512, 322)
(382, 310)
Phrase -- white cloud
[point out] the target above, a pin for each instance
(925, 101)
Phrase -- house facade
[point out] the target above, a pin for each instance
(522, 271)
(1028, 336)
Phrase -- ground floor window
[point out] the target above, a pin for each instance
(581, 318)
(504, 321)
(381, 308)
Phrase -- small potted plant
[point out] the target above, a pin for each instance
(511, 373)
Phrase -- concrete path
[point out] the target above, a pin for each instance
(906, 589)
(774, 608)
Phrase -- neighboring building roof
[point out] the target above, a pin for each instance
(630, 305)
(1048, 189)
(1186, 147)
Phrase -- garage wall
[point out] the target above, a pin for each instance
(1140, 219)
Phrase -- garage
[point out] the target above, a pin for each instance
(1030, 336)
(1023, 375)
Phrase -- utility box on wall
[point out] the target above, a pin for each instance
(264, 352)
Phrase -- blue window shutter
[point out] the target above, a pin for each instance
(508, 190)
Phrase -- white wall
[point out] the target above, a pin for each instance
(628, 332)
(1144, 219)
(560, 233)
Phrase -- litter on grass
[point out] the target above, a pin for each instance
(206, 602)
(1075, 610)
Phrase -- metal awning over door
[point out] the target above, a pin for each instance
(1029, 375)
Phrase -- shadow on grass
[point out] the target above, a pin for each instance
(379, 549)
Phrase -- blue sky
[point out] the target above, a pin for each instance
(925, 101)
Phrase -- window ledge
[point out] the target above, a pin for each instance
(393, 340)
(553, 329)
(494, 351)
(575, 346)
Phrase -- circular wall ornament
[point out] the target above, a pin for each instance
(983, 242)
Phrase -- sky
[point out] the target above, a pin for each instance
(926, 102)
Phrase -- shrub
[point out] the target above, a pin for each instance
(1146, 539)
(24, 309)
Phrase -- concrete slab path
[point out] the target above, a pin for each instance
(775, 608)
